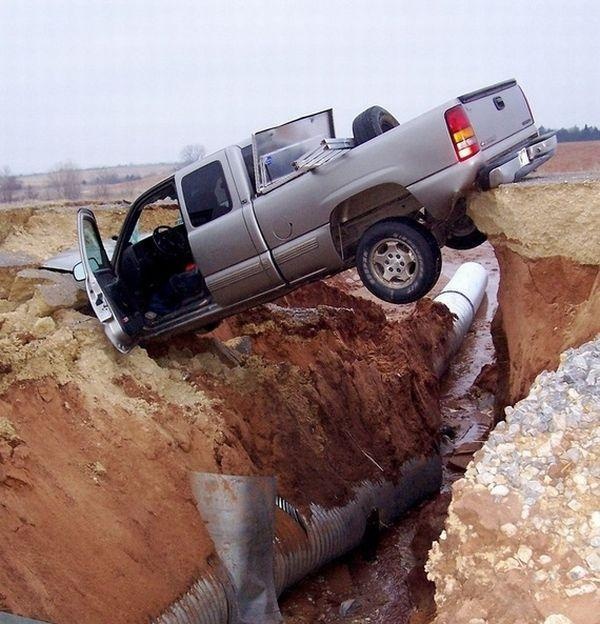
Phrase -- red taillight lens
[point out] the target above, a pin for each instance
(461, 132)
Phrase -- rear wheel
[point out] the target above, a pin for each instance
(465, 235)
(398, 260)
(371, 123)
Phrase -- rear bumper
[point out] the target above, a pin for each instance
(515, 165)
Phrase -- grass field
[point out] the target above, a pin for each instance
(38, 185)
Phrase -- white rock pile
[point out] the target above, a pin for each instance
(522, 539)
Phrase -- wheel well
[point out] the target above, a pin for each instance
(354, 215)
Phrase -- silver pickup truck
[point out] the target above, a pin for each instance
(293, 204)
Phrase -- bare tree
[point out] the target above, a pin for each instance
(102, 186)
(9, 185)
(65, 180)
(191, 153)
(30, 192)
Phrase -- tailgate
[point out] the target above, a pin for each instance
(497, 112)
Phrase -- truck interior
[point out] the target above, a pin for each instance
(156, 263)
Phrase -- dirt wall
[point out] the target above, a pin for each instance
(546, 237)
(522, 536)
(98, 520)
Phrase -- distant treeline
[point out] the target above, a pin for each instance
(564, 135)
(112, 178)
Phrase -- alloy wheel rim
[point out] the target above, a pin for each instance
(393, 263)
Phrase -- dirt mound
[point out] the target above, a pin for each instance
(43, 230)
(95, 447)
(546, 237)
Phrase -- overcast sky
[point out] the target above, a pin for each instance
(103, 82)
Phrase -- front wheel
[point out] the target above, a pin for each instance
(398, 260)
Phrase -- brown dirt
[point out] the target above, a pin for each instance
(40, 231)
(274, 391)
(326, 382)
(546, 306)
(578, 156)
(96, 509)
(394, 588)
(95, 447)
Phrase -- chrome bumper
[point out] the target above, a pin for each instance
(516, 165)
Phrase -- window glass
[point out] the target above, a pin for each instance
(94, 250)
(248, 156)
(206, 194)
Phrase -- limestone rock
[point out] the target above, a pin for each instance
(524, 551)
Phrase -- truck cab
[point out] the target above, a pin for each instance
(188, 249)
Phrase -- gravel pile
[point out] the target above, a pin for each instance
(522, 540)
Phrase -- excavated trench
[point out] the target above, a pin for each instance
(96, 447)
(326, 389)
(393, 586)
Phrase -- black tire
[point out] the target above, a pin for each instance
(465, 235)
(371, 123)
(206, 329)
(398, 260)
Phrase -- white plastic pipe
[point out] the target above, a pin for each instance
(462, 295)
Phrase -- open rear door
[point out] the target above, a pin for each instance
(111, 302)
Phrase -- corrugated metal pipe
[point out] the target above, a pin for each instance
(300, 546)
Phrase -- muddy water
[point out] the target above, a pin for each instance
(393, 589)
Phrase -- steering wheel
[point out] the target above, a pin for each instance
(168, 241)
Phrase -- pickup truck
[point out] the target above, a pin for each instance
(293, 204)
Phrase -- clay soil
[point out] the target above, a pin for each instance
(547, 306)
(95, 448)
(393, 588)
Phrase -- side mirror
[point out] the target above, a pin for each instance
(79, 272)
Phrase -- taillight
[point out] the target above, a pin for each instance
(461, 132)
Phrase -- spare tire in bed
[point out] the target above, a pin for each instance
(371, 123)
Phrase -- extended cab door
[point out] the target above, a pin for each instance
(112, 304)
(234, 264)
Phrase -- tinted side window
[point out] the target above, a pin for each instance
(206, 194)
